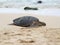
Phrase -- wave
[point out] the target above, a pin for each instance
(31, 3)
(47, 11)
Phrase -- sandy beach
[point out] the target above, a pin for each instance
(15, 35)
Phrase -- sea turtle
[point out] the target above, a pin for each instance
(27, 21)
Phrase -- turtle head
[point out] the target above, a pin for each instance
(41, 24)
(38, 23)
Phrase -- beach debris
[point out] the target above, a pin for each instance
(28, 21)
(26, 41)
(22, 41)
(30, 8)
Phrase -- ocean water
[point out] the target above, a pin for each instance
(17, 6)
(17, 3)
(33, 1)
(47, 11)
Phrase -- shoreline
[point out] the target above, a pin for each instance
(44, 12)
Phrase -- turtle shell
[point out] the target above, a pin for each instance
(25, 21)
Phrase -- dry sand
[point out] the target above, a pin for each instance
(15, 35)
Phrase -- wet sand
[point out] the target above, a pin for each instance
(15, 35)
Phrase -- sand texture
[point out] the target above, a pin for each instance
(15, 35)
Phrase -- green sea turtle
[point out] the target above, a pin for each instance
(27, 21)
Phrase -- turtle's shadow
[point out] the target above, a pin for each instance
(25, 27)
